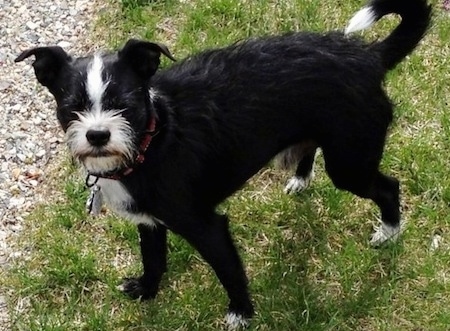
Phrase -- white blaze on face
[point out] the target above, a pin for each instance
(95, 86)
(119, 148)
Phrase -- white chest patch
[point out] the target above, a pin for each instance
(118, 198)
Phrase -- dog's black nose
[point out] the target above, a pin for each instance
(98, 137)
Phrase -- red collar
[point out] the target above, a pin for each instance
(148, 135)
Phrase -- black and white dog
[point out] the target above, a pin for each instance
(166, 147)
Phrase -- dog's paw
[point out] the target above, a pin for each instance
(136, 289)
(236, 321)
(297, 184)
(385, 233)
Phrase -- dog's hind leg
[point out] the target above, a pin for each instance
(302, 156)
(213, 241)
(304, 174)
(386, 196)
(366, 181)
(153, 242)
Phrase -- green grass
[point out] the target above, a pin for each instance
(307, 256)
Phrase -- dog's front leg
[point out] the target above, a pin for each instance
(153, 241)
(212, 239)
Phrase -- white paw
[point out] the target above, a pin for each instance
(297, 184)
(236, 321)
(384, 233)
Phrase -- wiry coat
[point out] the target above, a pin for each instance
(219, 117)
(237, 107)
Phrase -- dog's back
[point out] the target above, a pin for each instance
(261, 95)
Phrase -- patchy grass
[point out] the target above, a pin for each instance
(307, 256)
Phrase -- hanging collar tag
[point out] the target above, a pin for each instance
(94, 202)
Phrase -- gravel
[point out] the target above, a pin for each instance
(30, 138)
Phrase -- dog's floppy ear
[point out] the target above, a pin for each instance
(48, 64)
(143, 56)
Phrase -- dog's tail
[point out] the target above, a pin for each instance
(416, 17)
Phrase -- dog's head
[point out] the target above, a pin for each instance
(102, 100)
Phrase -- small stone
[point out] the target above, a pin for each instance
(435, 242)
(4, 85)
(14, 189)
(2, 301)
(33, 173)
(64, 44)
(21, 157)
(15, 202)
(19, 135)
(25, 126)
(41, 153)
(31, 25)
(33, 182)
(16, 173)
(3, 260)
(16, 227)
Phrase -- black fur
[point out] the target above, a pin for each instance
(223, 114)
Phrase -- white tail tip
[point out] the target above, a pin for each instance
(361, 20)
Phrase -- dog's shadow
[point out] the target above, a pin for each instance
(308, 260)
(320, 273)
